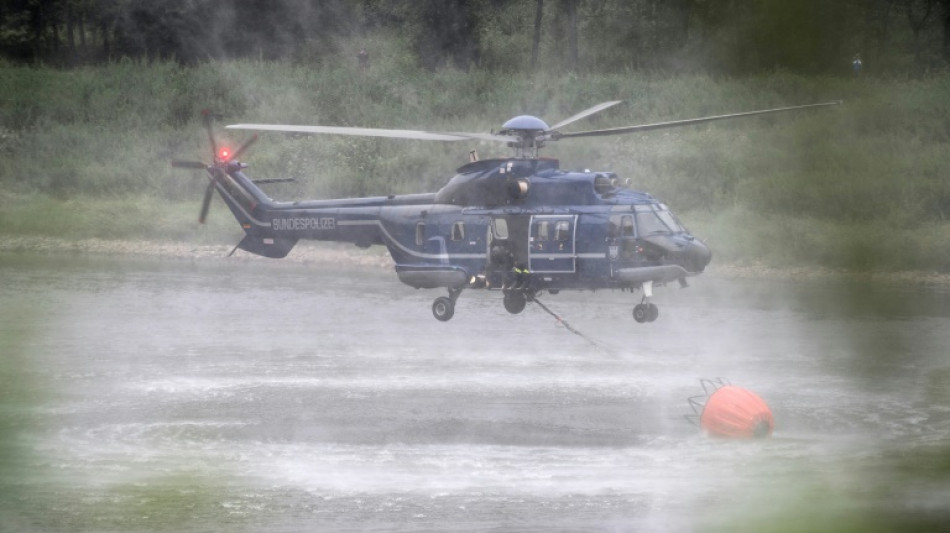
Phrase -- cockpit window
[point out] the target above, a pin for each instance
(620, 226)
(626, 226)
(650, 221)
(670, 221)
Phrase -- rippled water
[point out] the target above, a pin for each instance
(271, 396)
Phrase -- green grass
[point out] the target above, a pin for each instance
(136, 217)
(738, 235)
(84, 153)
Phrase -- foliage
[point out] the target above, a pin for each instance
(712, 36)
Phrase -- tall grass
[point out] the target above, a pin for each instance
(801, 187)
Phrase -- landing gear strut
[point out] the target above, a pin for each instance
(646, 311)
(443, 308)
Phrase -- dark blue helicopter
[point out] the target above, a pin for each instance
(519, 225)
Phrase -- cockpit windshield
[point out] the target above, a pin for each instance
(652, 219)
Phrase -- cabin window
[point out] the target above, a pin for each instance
(420, 233)
(458, 231)
(500, 228)
(562, 231)
(544, 231)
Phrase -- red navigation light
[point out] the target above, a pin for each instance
(225, 153)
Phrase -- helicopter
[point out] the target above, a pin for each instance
(518, 225)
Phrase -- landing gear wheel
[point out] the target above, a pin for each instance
(641, 313)
(443, 308)
(646, 312)
(515, 302)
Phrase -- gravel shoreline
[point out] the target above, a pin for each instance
(304, 252)
(376, 258)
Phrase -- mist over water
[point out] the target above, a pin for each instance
(250, 396)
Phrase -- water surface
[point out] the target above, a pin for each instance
(274, 396)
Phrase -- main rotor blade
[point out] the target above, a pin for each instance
(206, 203)
(677, 123)
(341, 130)
(485, 137)
(189, 164)
(585, 113)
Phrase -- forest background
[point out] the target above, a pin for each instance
(96, 96)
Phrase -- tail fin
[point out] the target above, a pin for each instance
(247, 202)
(250, 207)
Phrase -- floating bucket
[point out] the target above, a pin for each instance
(733, 412)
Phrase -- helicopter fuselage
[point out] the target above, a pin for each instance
(520, 225)
(517, 225)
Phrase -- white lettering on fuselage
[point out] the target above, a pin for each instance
(301, 224)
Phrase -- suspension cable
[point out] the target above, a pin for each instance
(571, 328)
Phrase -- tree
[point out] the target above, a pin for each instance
(945, 7)
(918, 14)
(536, 40)
(445, 32)
(570, 9)
(729, 36)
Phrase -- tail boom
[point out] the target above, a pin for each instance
(273, 228)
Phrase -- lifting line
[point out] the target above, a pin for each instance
(571, 328)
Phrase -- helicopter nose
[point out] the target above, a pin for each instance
(697, 255)
(683, 250)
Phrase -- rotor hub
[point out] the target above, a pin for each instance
(524, 123)
(530, 131)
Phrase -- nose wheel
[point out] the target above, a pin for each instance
(646, 311)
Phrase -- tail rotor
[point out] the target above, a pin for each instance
(226, 158)
(206, 203)
(221, 160)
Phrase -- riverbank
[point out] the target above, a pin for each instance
(376, 258)
(306, 252)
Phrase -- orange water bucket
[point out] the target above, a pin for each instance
(736, 413)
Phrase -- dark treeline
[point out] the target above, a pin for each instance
(727, 36)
